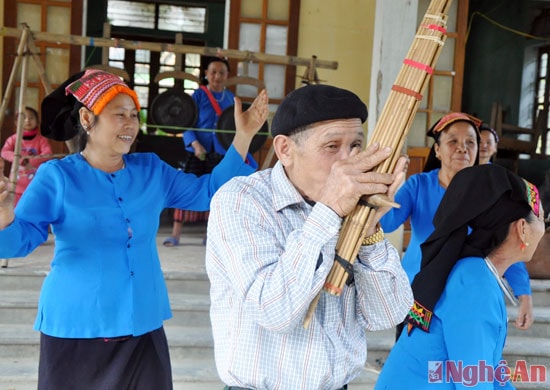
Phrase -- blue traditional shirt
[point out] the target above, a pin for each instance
(207, 120)
(464, 346)
(106, 278)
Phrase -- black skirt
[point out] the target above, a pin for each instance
(141, 362)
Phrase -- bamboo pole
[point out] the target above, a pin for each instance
(33, 52)
(20, 120)
(24, 34)
(391, 130)
(47, 156)
(241, 55)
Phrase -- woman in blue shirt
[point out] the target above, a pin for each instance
(211, 99)
(488, 220)
(203, 147)
(456, 143)
(103, 303)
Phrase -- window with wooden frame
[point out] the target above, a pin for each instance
(200, 24)
(266, 26)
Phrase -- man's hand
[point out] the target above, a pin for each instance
(6, 204)
(353, 177)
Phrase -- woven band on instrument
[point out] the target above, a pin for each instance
(407, 91)
(418, 65)
(435, 27)
(347, 266)
(438, 18)
(431, 38)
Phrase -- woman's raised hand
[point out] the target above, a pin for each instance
(248, 123)
(251, 120)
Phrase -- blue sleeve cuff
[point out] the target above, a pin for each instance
(188, 137)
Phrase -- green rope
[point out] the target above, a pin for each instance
(182, 129)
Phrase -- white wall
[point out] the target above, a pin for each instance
(394, 31)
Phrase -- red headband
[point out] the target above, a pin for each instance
(96, 88)
(455, 117)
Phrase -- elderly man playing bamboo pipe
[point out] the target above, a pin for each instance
(271, 244)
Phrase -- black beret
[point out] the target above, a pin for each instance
(316, 103)
(58, 122)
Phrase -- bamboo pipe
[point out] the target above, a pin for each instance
(391, 130)
(33, 51)
(20, 121)
(171, 47)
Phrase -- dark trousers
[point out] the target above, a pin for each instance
(138, 363)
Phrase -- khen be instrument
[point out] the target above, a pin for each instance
(391, 130)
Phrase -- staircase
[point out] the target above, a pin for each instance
(188, 332)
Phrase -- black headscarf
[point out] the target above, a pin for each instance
(60, 112)
(485, 198)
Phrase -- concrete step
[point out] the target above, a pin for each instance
(187, 283)
(535, 350)
(21, 280)
(18, 306)
(540, 289)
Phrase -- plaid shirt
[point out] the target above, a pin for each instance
(268, 255)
